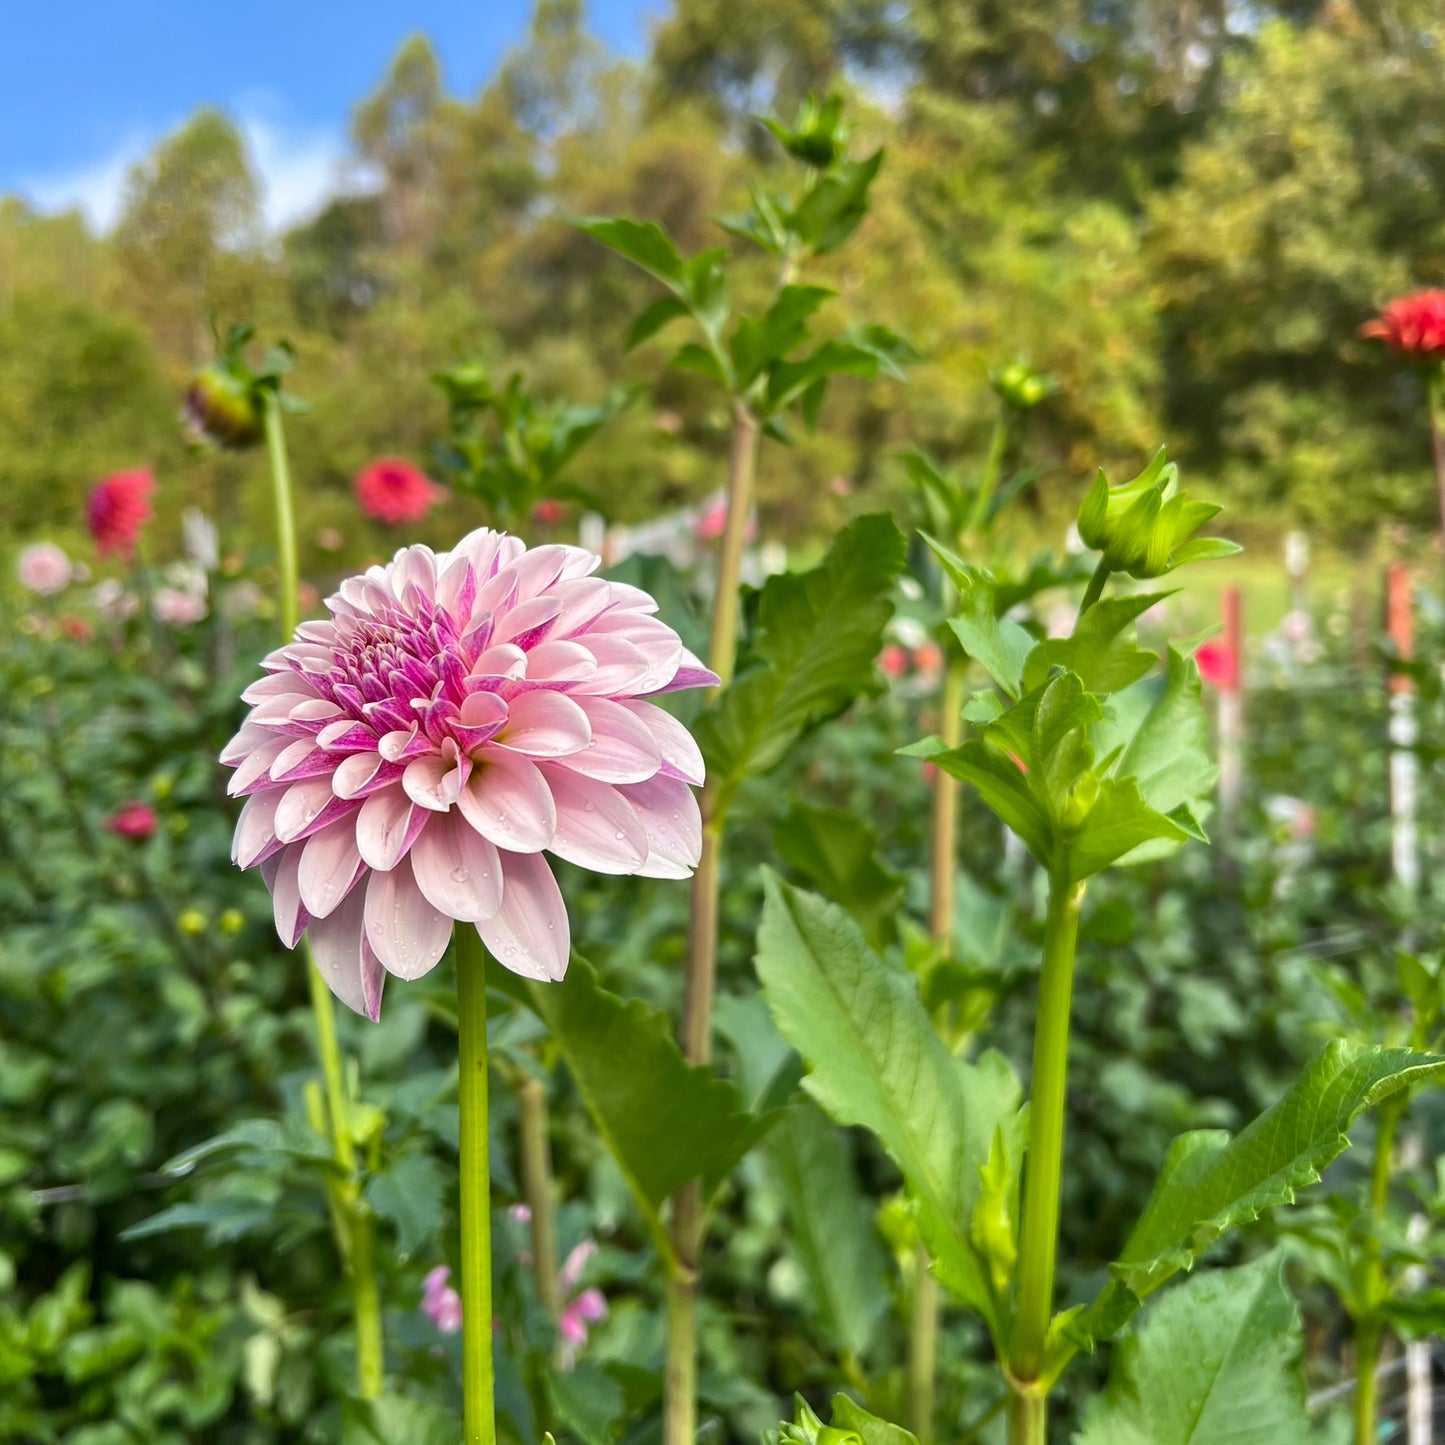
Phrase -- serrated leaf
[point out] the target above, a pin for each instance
(829, 1219)
(644, 243)
(1102, 650)
(838, 853)
(847, 1415)
(1211, 1183)
(833, 209)
(665, 1121)
(1001, 783)
(693, 357)
(1215, 1363)
(758, 343)
(1000, 645)
(811, 654)
(408, 1193)
(653, 318)
(1117, 829)
(788, 381)
(876, 1061)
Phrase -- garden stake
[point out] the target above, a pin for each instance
(347, 1204)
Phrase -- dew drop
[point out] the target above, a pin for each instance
(620, 835)
(589, 807)
(459, 875)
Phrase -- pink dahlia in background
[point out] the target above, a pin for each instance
(1413, 326)
(118, 508)
(580, 1308)
(549, 512)
(44, 568)
(134, 820)
(394, 491)
(406, 763)
(1218, 665)
(441, 1302)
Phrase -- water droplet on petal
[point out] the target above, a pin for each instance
(459, 875)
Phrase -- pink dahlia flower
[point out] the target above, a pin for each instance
(44, 568)
(118, 508)
(394, 491)
(406, 763)
(441, 1301)
(1413, 326)
(134, 820)
(581, 1308)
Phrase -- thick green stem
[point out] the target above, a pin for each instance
(537, 1184)
(1028, 1418)
(679, 1421)
(478, 1414)
(346, 1199)
(922, 1350)
(1368, 1328)
(1043, 1163)
(742, 468)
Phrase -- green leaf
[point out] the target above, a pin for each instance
(653, 318)
(1211, 1183)
(1215, 1363)
(790, 380)
(830, 1219)
(877, 1062)
(1000, 645)
(408, 1193)
(833, 209)
(1102, 650)
(838, 853)
(693, 357)
(757, 344)
(665, 1120)
(850, 1416)
(644, 243)
(398, 1420)
(1117, 828)
(811, 654)
(1001, 783)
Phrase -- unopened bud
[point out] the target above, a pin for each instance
(224, 406)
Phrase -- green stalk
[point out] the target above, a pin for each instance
(347, 1204)
(537, 1185)
(478, 1413)
(1095, 589)
(1369, 1328)
(1043, 1162)
(1435, 390)
(687, 1225)
(992, 470)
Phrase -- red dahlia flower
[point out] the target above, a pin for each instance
(118, 508)
(394, 491)
(1413, 326)
(134, 820)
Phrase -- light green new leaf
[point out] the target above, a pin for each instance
(838, 854)
(645, 244)
(877, 1061)
(1102, 650)
(1117, 829)
(1211, 1183)
(1000, 645)
(812, 653)
(829, 1220)
(871, 1430)
(1215, 1363)
(665, 1120)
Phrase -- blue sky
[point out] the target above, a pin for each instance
(87, 86)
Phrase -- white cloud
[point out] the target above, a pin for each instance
(299, 169)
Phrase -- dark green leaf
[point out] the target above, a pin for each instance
(408, 1193)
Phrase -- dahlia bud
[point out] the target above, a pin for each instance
(224, 406)
(817, 138)
(1019, 386)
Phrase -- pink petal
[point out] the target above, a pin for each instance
(503, 661)
(408, 934)
(507, 801)
(457, 870)
(681, 756)
(251, 736)
(526, 621)
(622, 667)
(529, 933)
(571, 1271)
(669, 812)
(690, 673)
(256, 829)
(330, 866)
(256, 768)
(545, 725)
(301, 805)
(435, 781)
(623, 748)
(336, 945)
(354, 772)
(596, 827)
(291, 915)
(560, 662)
(590, 1305)
(386, 827)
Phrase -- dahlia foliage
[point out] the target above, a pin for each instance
(406, 763)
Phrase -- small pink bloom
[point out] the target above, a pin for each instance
(407, 761)
(330, 540)
(177, 608)
(549, 511)
(394, 491)
(117, 510)
(76, 628)
(1218, 665)
(522, 1213)
(44, 568)
(1412, 326)
(134, 820)
(579, 1308)
(441, 1302)
(711, 522)
(893, 660)
(928, 657)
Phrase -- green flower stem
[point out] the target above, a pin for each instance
(1043, 1163)
(479, 1420)
(922, 1349)
(346, 1201)
(537, 1185)
(1435, 389)
(680, 1407)
(1369, 1328)
(1095, 589)
(1027, 1417)
(992, 470)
